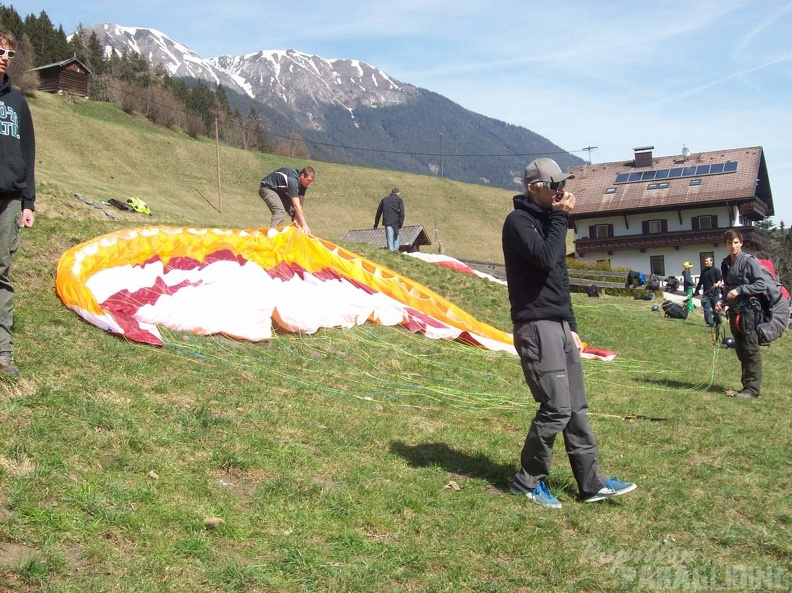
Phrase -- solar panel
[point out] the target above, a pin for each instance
(687, 171)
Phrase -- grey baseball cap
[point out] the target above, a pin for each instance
(546, 170)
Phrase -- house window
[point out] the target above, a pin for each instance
(652, 186)
(657, 265)
(600, 231)
(705, 223)
(695, 182)
(610, 190)
(655, 226)
(663, 185)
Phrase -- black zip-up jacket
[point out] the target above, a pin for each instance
(391, 209)
(17, 147)
(709, 277)
(534, 251)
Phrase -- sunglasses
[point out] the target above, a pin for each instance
(7, 52)
(557, 185)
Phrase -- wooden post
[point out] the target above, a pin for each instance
(217, 158)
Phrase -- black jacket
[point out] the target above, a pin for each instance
(17, 147)
(534, 251)
(687, 279)
(391, 209)
(709, 277)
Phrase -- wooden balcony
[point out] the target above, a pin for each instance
(754, 240)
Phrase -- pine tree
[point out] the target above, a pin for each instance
(9, 19)
(50, 45)
(96, 59)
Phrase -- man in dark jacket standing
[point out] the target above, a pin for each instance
(17, 189)
(710, 280)
(391, 209)
(545, 336)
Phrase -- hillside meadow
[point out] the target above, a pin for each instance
(100, 152)
(360, 460)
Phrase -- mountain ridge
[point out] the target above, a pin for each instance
(351, 112)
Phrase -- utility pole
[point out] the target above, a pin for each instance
(217, 157)
(442, 153)
(589, 149)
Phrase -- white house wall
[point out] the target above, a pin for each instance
(633, 259)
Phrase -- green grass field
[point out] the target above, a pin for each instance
(356, 460)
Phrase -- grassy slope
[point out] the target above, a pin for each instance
(331, 457)
(109, 154)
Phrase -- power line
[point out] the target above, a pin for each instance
(441, 154)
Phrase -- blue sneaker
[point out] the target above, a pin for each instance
(613, 487)
(540, 495)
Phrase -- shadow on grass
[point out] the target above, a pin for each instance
(685, 385)
(458, 462)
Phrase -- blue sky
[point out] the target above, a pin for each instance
(611, 74)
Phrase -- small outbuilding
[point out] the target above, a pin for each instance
(411, 238)
(68, 76)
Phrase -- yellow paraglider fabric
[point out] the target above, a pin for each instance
(242, 282)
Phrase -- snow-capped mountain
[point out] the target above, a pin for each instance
(159, 49)
(305, 83)
(351, 112)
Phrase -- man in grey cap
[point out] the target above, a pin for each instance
(545, 336)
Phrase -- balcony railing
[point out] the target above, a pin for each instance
(752, 239)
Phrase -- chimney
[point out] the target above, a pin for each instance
(643, 156)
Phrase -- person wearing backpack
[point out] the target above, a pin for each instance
(743, 284)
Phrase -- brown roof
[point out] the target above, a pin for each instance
(592, 181)
(411, 237)
(61, 64)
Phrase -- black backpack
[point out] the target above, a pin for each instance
(592, 291)
(674, 310)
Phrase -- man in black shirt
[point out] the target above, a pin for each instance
(710, 280)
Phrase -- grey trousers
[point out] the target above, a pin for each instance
(746, 340)
(9, 242)
(276, 205)
(554, 373)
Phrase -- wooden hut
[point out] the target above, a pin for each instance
(67, 76)
(411, 237)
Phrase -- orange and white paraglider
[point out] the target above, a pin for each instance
(241, 283)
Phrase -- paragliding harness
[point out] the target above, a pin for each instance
(120, 205)
(674, 310)
(769, 310)
(654, 282)
(139, 206)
